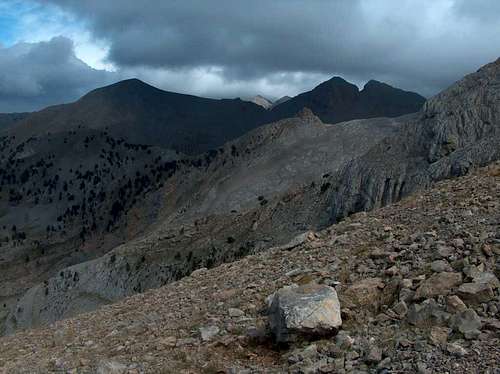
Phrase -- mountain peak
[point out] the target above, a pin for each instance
(372, 83)
(337, 82)
(126, 86)
(132, 83)
(262, 101)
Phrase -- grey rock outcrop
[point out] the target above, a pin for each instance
(467, 322)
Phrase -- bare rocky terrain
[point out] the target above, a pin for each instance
(76, 182)
(260, 190)
(417, 283)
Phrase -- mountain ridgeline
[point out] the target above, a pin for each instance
(192, 125)
(337, 100)
(108, 200)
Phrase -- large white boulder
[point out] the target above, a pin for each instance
(306, 310)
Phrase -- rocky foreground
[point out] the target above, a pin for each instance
(417, 285)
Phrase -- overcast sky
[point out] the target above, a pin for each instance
(53, 51)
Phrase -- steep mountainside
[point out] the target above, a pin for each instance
(337, 100)
(276, 182)
(67, 198)
(147, 115)
(9, 119)
(405, 276)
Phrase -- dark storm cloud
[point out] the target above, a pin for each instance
(35, 75)
(229, 48)
(421, 45)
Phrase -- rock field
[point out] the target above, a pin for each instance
(417, 283)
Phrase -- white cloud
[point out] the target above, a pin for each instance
(36, 23)
(35, 75)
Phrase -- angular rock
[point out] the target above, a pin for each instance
(488, 278)
(111, 367)
(439, 335)
(440, 266)
(475, 293)
(401, 309)
(365, 293)
(438, 284)
(307, 310)
(427, 312)
(235, 312)
(208, 332)
(444, 251)
(454, 304)
(407, 295)
(467, 322)
(456, 349)
(343, 340)
(374, 355)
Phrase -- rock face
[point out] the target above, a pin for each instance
(306, 310)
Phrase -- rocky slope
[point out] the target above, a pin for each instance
(262, 101)
(223, 209)
(417, 282)
(64, 199)
(276, 182)
(9, 119)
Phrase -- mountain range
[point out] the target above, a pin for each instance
(192, 125)
(131, 187)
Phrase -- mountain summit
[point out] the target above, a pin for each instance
(147, 115)
(337, 100)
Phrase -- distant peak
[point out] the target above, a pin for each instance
(337, 84)
(132, 82)
(373, 82)
(282, 100)
(262, 101)
(337, 78)
(123, 87)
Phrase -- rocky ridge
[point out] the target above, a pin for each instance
(262, 101)
(417, 283)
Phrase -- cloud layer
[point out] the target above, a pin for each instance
(233, 48)
(35, 75)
